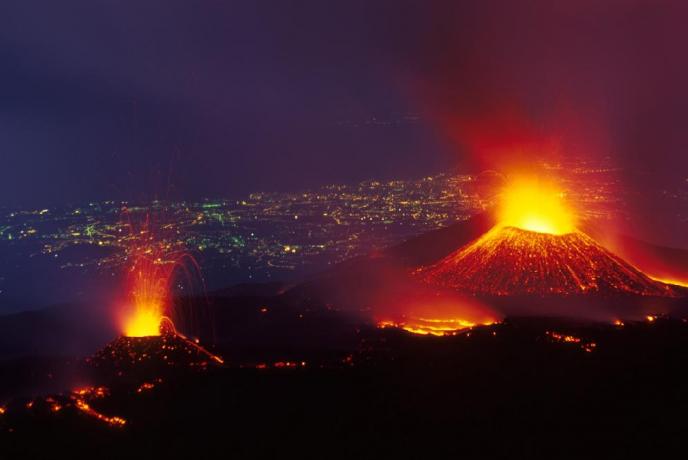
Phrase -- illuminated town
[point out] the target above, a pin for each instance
(269, 235)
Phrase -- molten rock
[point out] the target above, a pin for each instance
(512, 261)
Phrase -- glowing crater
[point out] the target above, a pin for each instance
(144, 322)
(535, 205)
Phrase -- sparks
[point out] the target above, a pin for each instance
(149, 280)
(150, 289)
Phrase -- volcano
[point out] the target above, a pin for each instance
(136, 357)
(510, 261)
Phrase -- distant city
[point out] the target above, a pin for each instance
(269, 236)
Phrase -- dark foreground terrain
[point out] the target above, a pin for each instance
(524, 388)
(303, 372)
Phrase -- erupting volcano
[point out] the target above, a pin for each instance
(134, 358)
(535, 249)
(150, 283)
(149, 301)
(150, 341)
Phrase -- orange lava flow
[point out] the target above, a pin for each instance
(195, 344)
(80, 396)
(432, 326)
(84, 407)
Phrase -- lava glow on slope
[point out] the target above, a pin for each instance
(432, 326)
(535, 205)
(512, 261)
(672, 281)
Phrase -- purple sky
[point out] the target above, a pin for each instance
(110, 99)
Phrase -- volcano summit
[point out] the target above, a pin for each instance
(510, 261)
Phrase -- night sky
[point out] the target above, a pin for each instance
(186, 99)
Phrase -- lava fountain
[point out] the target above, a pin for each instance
(149, 281)
(150, 285)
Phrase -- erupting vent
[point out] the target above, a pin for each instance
(512, 261)
(150, 355)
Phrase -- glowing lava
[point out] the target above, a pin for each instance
(535, 249)
(535, 205)
(149, 286)
(511, 261)
(675, 282)
(149, 300)
(144, 323)
(432, 326)
(81, 398)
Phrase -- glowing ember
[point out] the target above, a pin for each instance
(563, 338)
(533, 205)
(145, 386)
(430, 326)
(587, 347)
(289, 364)
(93, 392)
(55, 406)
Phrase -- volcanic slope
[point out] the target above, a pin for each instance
(508, 261)
(136, 357)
